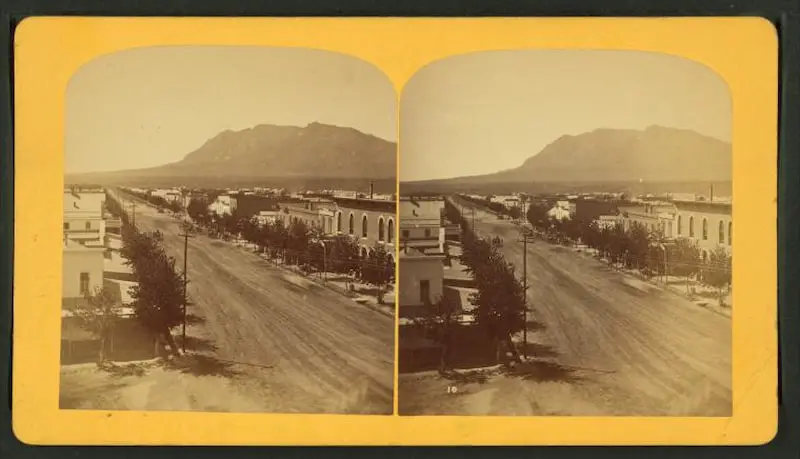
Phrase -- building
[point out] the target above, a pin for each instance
(587, 210)
(245, 205)
(222, 205)
(608, 221)
(562, 210)
(421, 281)
(372, 221)
(314, 212)
(708, 223)
(422, 224)
(655, 217)
(267, 216)
(509, 202)
(84, 216)
(82, 272)
(168, 195)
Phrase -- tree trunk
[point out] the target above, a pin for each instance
(171, 341)
(512, 349)
(102, 356)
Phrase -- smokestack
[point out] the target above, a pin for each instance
(711, 194)
(371, 189)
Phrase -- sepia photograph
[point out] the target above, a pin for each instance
(229, 227)
(566, 236)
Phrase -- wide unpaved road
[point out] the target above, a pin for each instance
(610, 343)
(301, 346)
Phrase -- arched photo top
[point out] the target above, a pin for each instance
(493, 110)
(153, 106)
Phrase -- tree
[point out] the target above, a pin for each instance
(158, 296)
(683, 258)
(638, 245)
(298, 239)
(718, 271)
(98, 315)
(537, 216)
(377, 270)
(344, 255)
(439, 324)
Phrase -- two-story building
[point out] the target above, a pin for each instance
(314, 212)
(422, 224)
(708, 223)
(82, 272)
(371, 221)
(84, 216)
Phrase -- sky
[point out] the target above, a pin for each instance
(152, 106)
(485, 112)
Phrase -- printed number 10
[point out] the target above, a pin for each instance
(452, 389)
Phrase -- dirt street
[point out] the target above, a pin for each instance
(604, 343)
(275, 338)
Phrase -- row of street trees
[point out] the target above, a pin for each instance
(301, 245)
(158, 296)
(637, 248)
(499, 300)
(159, 202)
(496, 207)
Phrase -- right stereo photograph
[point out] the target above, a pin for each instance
(565, 236)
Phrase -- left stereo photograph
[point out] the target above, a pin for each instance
(229, 232)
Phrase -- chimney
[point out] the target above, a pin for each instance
(711, 194)
(371, 189)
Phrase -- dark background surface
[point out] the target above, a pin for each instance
(785, 14)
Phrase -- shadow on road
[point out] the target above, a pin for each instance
(121, 371)
(193, 319)
(198, 344)
(543, 371)
(464, 377)
(202, 365)
(536, 350)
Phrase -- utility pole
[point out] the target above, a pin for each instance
(524, 241)
(133, 203)
(185, 236)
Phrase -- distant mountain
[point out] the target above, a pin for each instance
(270, 151)
(655, 154)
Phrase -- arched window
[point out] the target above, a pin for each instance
(352, 223)
(721, 232)
(730, 233)
(703, 255)
(691, 226)
(390, 231)
(705, 229)
(364, 226)
(364, 253)
(680, 225)
(338, 222)
(380, 229)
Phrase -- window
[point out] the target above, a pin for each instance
(691, 226)
(680, 225)
(705, 229)
(721, 232)
(66, 225)
(669, 229)
(427, 232)
(425, 291)
(352, 224)
(730, 233)
(364, 226)
(405, 234)
(338, 222)
(88, 225)
(380, 229)
(390, 231)
(84, 283)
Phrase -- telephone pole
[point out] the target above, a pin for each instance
(525, 240)
(133, 213)
(185, 236)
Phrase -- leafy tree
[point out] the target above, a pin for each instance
(297, 240)
(537, 216)
(717, 272)
(98, 315)
(344, 255)
(439, 324)
(377, 270)
(683, 258)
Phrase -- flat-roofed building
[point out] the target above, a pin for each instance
(371, 221)
(422, 224)
(84, 216)
(709, 224)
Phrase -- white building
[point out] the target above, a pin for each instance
(267, 216)
(84, 217)
(563, 210)
(222, 205)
